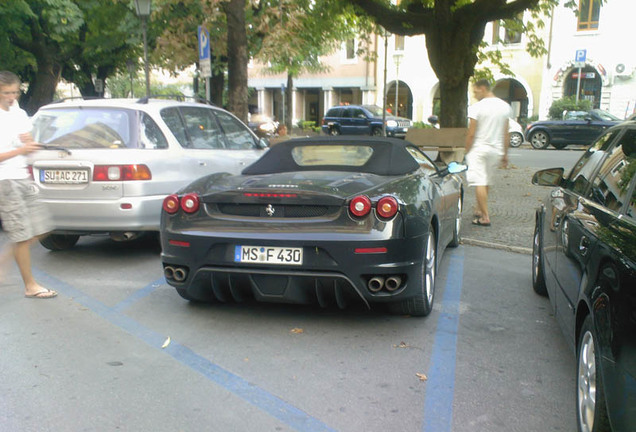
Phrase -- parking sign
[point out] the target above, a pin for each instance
(580, 55)
(205, 65)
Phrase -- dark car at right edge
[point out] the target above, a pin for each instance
(584, 259)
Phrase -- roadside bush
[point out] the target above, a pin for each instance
(306, 125)
(567, 103)
(421, 125)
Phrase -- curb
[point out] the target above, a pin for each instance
(481, 243)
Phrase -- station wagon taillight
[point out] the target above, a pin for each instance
(121, 172)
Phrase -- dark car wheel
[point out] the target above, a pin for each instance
(590, 396)
(539, 140)
(58, 242)
(376, 131)
(422, 304)
(457, 228)
(334, 131)
(516, 139)
(538, 276)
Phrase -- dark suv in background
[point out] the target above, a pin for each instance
(363, 120)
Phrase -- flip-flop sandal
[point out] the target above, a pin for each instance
(46, 294)
(480, 223)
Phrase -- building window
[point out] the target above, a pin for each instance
(589, 13)
(509, 36)
(495, 32)
(512, 37)
(350, 49)
(399, 43)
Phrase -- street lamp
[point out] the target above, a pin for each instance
(143, 12)
(397, 58)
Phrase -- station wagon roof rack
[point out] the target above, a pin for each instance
(76, 97)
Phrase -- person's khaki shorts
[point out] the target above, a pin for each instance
(23, 215)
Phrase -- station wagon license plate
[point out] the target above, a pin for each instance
(268, 255)
(63, 176)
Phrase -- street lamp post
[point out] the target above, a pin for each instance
(131, 68)
(396, 59)
(386, 47)
(143, 12)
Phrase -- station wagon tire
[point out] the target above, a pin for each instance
(376, 131)
(538, 276)
(591, 409)
(457, 228)
(422, 304)
(516, 139)
(334, 131)
(539, 140)
(58, 242)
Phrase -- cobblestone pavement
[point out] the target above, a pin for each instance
(512, 203)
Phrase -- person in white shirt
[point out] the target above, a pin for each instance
(486, 144)
(24, 217)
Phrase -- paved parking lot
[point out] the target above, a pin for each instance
(490, 357)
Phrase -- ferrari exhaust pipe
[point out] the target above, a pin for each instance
(179, 274)
(393, 283)
(375, 284)
(168, 272)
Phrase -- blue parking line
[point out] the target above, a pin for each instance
(440, 387)
(139, 294)
(271, 404)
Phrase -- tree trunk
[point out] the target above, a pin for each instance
(237, 57)
(42, 88)
(217, 84)
(289, 93)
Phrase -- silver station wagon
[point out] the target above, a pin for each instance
(109, 163)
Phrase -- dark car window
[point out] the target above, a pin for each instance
(173, 120)
(347, 113)
(576, 115)
(237, 135)
(150, 136)
(202, 128)
(581, 174)
(357, 113)
(610, 187)
(604, 115)
(425, 163)
(334, 112)
(90, 128)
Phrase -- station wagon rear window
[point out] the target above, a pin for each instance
(332, 155)
(96, 128)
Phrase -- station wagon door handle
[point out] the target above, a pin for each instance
(584, 244)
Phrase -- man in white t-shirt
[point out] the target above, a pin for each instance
(486, 144)
(24, 217)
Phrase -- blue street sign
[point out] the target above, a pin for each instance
(204, 43)
(580, 55)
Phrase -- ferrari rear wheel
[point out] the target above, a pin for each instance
(458, 225)
(539, 140)
(422, 304)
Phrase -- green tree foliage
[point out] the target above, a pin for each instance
(454, 31)
(80, 40)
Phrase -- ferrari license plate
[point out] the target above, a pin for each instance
(64, 176)
(268, 255)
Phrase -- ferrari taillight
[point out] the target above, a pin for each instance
(360, 206)
(171, 204)
(387, 207)
(190, 203)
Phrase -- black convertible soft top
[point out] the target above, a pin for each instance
(390, 156)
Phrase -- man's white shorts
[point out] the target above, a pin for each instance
(482, 161)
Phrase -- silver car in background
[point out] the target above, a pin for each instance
(109, 163)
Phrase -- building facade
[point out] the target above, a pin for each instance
(607, 75)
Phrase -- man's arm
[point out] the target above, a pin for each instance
(470, 135)
(28, 146)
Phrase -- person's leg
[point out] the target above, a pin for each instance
(22, 255)
(481, 195)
